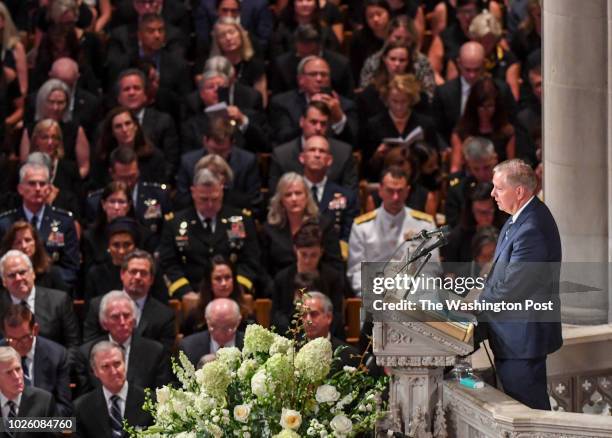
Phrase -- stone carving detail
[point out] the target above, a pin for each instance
(464, 409)
(461, 349)
(397, 337)
(418, 425)
(416, 361)
(439, 428)
(538, 435)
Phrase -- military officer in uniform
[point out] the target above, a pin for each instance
(192, 236)
(480, 159)
(151, 200)
(56, 227)
(337, 202)
(376, 235)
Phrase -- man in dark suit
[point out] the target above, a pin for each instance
(19, 400)
(55, 226)
(44, 362)
(100, 413)
(450, 99)
(222, 319)
(210, 227)
(314, 121)
(158, 127)
(313, 78)
(219, 140)
(154, 320)
(526, 266)
(147, 361)
(53, 308)
(308, 43)
(335, 201)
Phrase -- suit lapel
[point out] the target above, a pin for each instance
(41, 364)
(457, 99)
(100, 408)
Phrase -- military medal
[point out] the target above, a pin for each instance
(338, 203)
(182, 239)
(153, 210)
(55, 238)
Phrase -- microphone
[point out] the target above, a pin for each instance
(443, 232)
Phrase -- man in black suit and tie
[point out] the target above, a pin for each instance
(220, 141)
(154, 320)
(450, 99)
(44, 362)
(222, 319)
(337, 202)
(157, 126)
(18, 400)
(53, 308)
(100, 413)
(146, 360)
(314, 121)
(313, 78)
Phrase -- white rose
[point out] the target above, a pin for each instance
(258, 383)
(327, 394)
(349, 369)
(341, 425)
(241, 413)
(163, 394)
(290, 419)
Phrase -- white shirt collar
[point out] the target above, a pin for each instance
(520, 210)
(4, 400)
(122, 394)
(29, 214)
(320, 186)
(390, 219)
(214, 346)
(30, 300)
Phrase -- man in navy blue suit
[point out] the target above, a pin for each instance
(525, 267)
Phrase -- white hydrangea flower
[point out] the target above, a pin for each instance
(258, 383)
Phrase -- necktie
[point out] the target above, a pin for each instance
(315, 194)
(12, 409)
(34, 221)
(116, 418)
(26, 371)
(208, 226)
(508, 229)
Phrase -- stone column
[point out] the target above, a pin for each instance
(577, 140)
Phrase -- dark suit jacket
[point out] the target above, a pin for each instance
(148, 364)
(285, 158)
(197, 345)
(35, 402)
(243, 164)
(341, 205)
(283, 75)
(93, 420)
(160, 129)
(526, 265)
(244, 97)
(156, 322)
(54, 314)
(287, 108)
(446, 106)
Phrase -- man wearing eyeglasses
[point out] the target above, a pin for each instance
(44, 362)
(55, 226)
(53, 308)
(222, 321)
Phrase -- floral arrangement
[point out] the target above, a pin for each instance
(272, 388)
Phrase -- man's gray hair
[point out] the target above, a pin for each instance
(32, 166)
(210, 74)
(8, 353)
(44, 91)
(302, 65)
(101, 347)
(328, 306)
(12, 253)
(478, 148)
(234, 307)
(111, 297)
(205, 177)
(216, 164)
(518, 173)
(220, 64)
(40, 158)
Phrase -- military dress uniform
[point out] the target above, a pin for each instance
(57, 230)
(376, 235)
(187, 246)
(459, 187)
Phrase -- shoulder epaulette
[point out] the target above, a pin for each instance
(97, 192)
(8, 212)
(365, 217)
(246, 212)
(61, 211)
(453, 182)
(169, 216)
(422, 216)
(154, 184)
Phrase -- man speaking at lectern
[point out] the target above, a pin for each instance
(525, 266)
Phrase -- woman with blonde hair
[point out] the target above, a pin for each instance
(231, 40)
(291, 206)
(12, 52)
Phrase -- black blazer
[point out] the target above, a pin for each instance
(160, 129)
(54, 315)
(156, 322)
(93, 420)
(245, 98)
(287, 108)
(148, 364)
(35, 402)
(197, 345)
(343, 171)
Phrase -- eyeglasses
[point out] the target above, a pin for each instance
(13, 275)
(314, 74)
(226, 330)
(20, 340)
